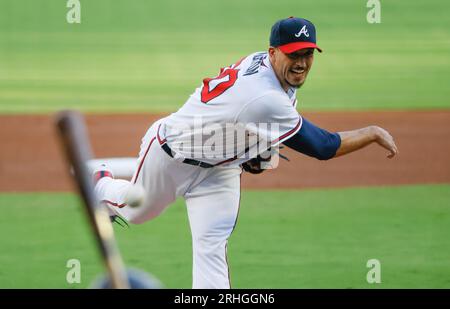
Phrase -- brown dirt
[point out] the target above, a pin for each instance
(30, 158)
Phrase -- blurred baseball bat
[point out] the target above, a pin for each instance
(75, 142)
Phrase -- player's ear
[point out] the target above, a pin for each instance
(272, 51)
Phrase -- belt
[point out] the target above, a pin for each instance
(169, 151)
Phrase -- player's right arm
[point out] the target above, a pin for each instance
(357, 139)
(323, 145)
(305, 137)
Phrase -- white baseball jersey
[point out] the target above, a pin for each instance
(234, 116)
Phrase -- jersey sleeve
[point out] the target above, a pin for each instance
(272, 117)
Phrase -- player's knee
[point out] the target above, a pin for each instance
(208, 244)
(140, 219)
(148, 211)
(137, 220)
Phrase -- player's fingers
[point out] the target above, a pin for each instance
(387, 141)
(394, 146)
(396, 149)
(393, 151)
(390, 146)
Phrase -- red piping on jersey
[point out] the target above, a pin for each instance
(234, 226)
(300, 121)
(227, 160)
(233, 66)
(238, 63)
(228, 265)
(282, 137)
(142, 161)
(114, 204)
(159, 139)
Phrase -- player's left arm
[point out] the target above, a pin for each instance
(323, 145)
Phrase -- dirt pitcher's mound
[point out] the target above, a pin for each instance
(30, 158)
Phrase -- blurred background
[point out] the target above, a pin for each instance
(308, 224)
(149, 55)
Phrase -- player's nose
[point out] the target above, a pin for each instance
(301, 63)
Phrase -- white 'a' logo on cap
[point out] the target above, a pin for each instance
(302, 31)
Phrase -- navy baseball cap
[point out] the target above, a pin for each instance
(292, 34)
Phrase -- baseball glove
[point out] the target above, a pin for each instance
(254, 166)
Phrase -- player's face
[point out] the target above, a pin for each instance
(291, 69)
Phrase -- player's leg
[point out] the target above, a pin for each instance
(160, 190)
(112, 192)
(161, 176)
(213, 208)
(151, 174)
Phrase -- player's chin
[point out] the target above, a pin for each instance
(295, 82)
(295, 79)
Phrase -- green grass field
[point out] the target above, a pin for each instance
(143, 55)
(284, 239)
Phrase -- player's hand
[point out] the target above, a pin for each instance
(385, 140)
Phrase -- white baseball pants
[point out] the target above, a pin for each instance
(212, 198)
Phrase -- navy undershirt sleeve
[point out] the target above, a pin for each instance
(314, 141)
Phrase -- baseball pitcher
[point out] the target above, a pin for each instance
(232, 122)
